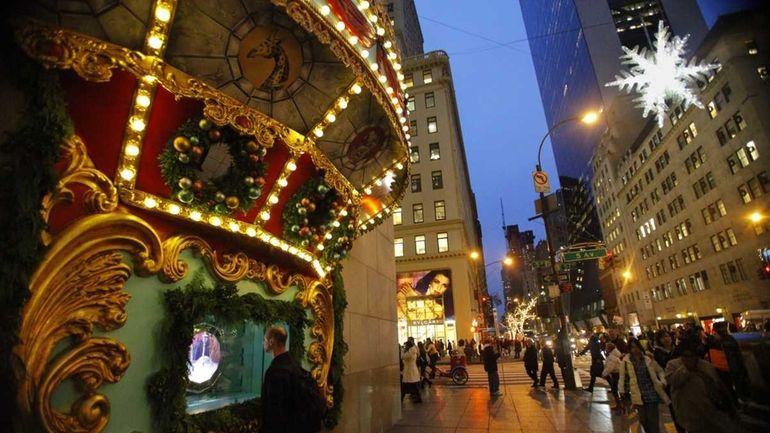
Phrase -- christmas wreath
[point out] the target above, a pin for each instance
(312, 212)
(214, 169)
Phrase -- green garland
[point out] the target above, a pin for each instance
(26, 175)
(186, 150)
(189, 306)
(337, 370)
(310, 212)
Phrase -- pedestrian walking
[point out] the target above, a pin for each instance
(701, 401)
(611, 373)
(422, 364)
(614, 337)
(663, 353)
(433, 356)
(489, 356)
(411, 377)
(530, 361)
(547, 369)
(644, 386)
(726, 357)
(516, 348)
(597, 359)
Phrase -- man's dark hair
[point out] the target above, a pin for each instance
(277, 333)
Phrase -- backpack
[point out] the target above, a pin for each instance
(309, 406)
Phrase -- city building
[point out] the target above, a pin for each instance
(519, 279)
(684, 210)
(406, 26)
(436, 227)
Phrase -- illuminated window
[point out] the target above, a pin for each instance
(427, 76)
(437, 180)
(397, 217)
(439, 209)
(435, 152)
(413, 128)
(418, 215)
(414, 154)
(410, 103)
(443, 242)
(409, 80)
(430, 100)
(432, 125)
(416, 183)
(419, 244)
(399, 246)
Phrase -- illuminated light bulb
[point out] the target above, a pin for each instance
(374, 66)
(378, 182)
(389, 89)
(336, 223)
(331, 118)
(400, 166)
(155, 42)
(174, 209)
(328, 268)
(399, 110)
(291, 166)
(344, 212)
(373, 18)
(250, 232)
(132, 150)
(284, 246)
(328, 236)
(137, 124)
(387, 44)
(318, 132)
(293, 250)
(308, 258)
(343, 103)
(364, 53)
(401, 76)
(405, 128)
(274, 242)
(356, 89)
(325, 10)
(143, 101)
(407, 136)
(364, 5)
(353, 40)
(397, 66)
(394, 100)
(127, 174)
(195, 215)
(392, 55)
(273, 199)
(320, 247)
(380, 31)
(234, 227)
(283, 182)
(383, 79)
(149, 79)
(387, 210)
(162, 13)
(215, 221)
(265, 215)
(403, 86)
(367, 191)
(340, 25)
(150, 202)
(402, 119)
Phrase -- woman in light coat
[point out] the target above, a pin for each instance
(645, 387)
(611, 372)
(411, 374)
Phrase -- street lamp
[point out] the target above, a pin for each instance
(569, 378)
(756, 217)
(506, 261)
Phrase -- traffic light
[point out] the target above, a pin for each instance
(764, 272)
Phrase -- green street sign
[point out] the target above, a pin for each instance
(577, 256)
(541, 263)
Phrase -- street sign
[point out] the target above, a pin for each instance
(541, 263)
(564, 267)
(540, 179)
(577, 256)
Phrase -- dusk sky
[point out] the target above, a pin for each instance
(500, 111)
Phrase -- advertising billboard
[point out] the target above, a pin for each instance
(425, 296)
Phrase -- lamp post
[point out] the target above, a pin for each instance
(506, 261)
(569, 379)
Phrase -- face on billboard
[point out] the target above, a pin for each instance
(421, 284)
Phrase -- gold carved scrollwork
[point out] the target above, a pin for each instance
(317, 297)
(100, 196)
(77, 288)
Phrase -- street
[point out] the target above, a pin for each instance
(469, 409)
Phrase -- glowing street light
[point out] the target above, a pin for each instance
(626, 275)
(475, 255)
(590, 117)
(508, 261)
(756, 217)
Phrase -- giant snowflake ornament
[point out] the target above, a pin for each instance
(663, 78)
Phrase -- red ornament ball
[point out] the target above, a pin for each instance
(197, 185)
(215, 135)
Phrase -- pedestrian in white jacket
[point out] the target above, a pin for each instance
(611, 372)
(645, 387)
(411, 374)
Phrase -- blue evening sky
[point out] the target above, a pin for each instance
(500, 109)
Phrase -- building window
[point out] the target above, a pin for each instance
(740, 121)
(714, 211)
(755, 187)
(427, 76)
(399, 246)
(699, 281)
(733, 271)
(414, 154)
(413, 128)
(430, 100)
(409, 80)
(763, 72)
(723, 240)
(416, 183)
(435, 152)
(704, 185)
(695, 160)
(417, 213)
(397, 216)
(410, 104)
(715, 106)
(436, 179)
(443, 242)
(432, 125)
(439, 210)
(419, 244)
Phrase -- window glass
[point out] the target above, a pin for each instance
(409, 80)
(399, 246)
(435, 152)
(427, 76)
(417, 213)
(419, 244)
(430, 100)
(413, 128)
(437, 180)
(414, 154)
(439, 210)
(416, 183)
(397, 216)
(443, 242)
(432, 125)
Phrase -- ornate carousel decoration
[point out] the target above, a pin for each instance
(277, 128)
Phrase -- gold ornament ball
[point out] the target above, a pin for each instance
(181, 144)
(252, 147)
(232, 202)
